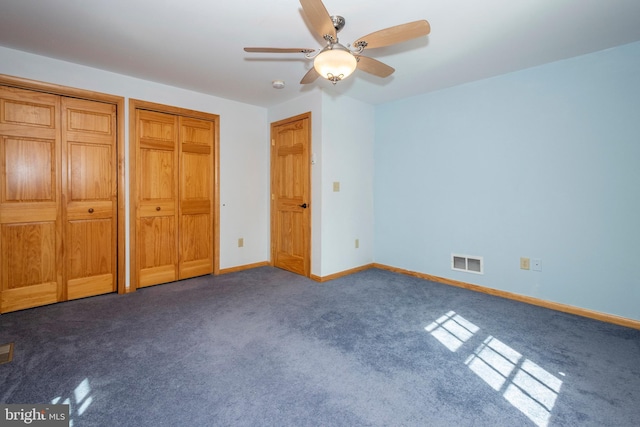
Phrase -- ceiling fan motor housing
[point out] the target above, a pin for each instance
(338, 22)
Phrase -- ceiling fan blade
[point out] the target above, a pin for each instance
(310, 77)
(393, 35)
(278, 50)
(318, 17)
(373, 66)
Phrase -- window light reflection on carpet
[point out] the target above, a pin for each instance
(524, 384)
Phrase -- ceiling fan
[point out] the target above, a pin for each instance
(335, 61)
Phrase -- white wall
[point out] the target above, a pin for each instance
(244, 156)
(347, 215)
(542, 163)
(342, 144)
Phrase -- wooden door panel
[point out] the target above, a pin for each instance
(30, 214)
(28, 297)
(196, 131)
(196, 176)
(157, 210)
(90, 265)
(290, 183)
(89, 210)
(156, 275)
(197, 242)
(29, 268)
(158, 178)
(85, 257)
(157, 235)
(28, 254)
(90, 121)
(91, 172)
(96, 285)
(89, 185)
(196, 220)
(196, 197)
(290, 163)
(157, 129)
(156, 257)
(29, 174)
(291, 251)
(28, 114)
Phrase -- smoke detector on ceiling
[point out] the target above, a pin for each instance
(277, 84)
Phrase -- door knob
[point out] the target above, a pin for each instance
(303, 206)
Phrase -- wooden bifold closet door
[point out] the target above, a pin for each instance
(58, 198)
(174, 183)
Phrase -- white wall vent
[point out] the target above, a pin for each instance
(471, 264)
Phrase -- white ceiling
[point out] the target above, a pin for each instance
(198, 44)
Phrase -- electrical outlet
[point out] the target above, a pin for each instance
(240, 242)
(357, 243)
(524, 263)
(336, 186)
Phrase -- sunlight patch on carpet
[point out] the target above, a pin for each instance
(79, 400)
(525, 385)
(493, 361)
(452, 330)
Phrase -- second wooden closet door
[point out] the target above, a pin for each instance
(175, 197)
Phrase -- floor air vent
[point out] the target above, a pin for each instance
(6, 353)
(471, 264)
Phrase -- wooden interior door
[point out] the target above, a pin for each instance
(30, 213)
(157, 187)
(89, 185)
(290, 194)
(196, 197)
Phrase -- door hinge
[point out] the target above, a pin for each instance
(273, 142)
(273, 196)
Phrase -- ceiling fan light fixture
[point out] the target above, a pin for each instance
(335, 63)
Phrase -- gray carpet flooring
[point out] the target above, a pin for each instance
(265, 347)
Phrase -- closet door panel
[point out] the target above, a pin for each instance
(195, 236)
(157, 235)
(157, 184)
(196, 197)
(30, 225)
(29, 270)
(89, 186)
(90, 269)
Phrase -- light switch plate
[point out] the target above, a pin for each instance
(536, 264)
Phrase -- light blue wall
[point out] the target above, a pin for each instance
(542, 163)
